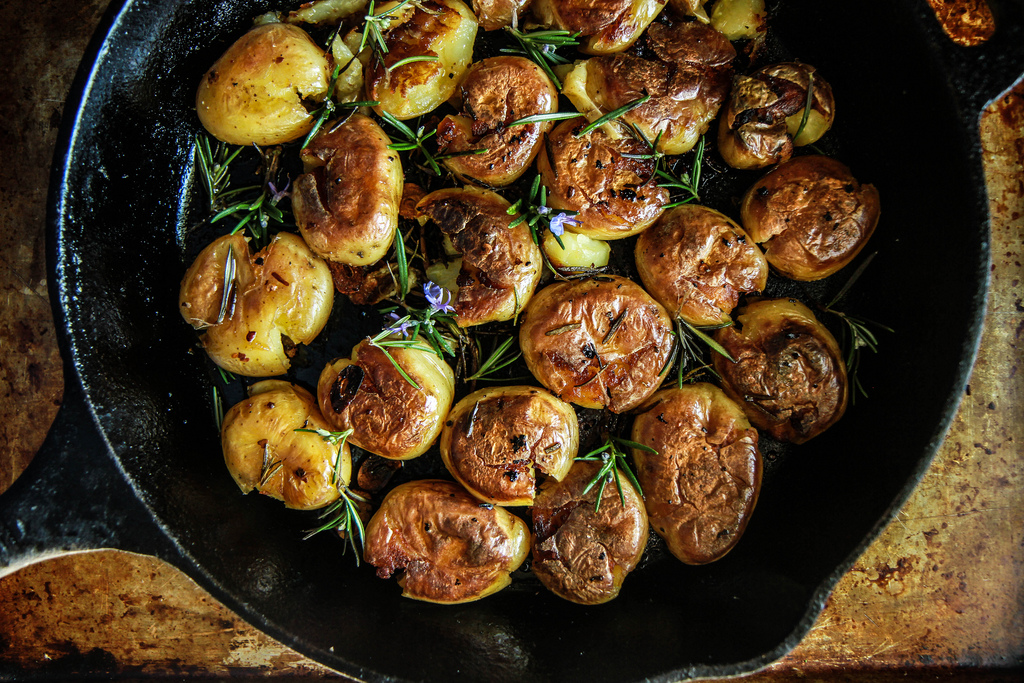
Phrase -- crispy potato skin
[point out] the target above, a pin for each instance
(452, 549)
(789, 375)
(501, 266)
(608, 25)
(598, 343)
(496, 14)
(346, 203)
(688, 74)
(579, 554)
(696, 262)
(812, 216)
(388, 415)
(254, 93)
(282, 296)
(763, 113)
(494, 93)
(495, 438)
(442, 28)
(260, 431)
(614, 196)
(701, 486)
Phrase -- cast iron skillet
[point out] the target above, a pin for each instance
(133, 461)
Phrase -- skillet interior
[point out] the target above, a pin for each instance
(119, 258)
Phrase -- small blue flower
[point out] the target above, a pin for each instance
(277, 195)
(440, 298)
(399, 325)
(559, 221)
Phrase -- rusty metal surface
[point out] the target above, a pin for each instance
(939, 595)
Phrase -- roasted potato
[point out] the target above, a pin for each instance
(444, 29)
(701, 485)
(451, 548)
(575, 251)
(811, 215)
(346, 203)
(602, 342)
(259, 91)
(615, 196)
(263, 450)
(495, 14)
(697, 262)
(687, 71)
(764, 117)
(788, 373)
(607, 25)
(493, 94)
(581, 553)
(500, 266)
(389, 415)
(741, 20)
(495, 439)
(253, 309)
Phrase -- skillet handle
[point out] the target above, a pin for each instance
(982, 73)
(72, 497)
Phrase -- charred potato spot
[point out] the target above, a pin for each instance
(495, 438)
(789, 375)
(625, 30)
(812, 216)
(501, 266)
(687, 75)
(389, 416)
(608, 25)
(582, 554)
(444, 29)
(263, 451)
(763, 118)
(493, 94)
(701, 486)
(598, 343)
(451, 548)
(697, 262)
(346, 203)
(614, 196)
(256, 93)
(279, 297)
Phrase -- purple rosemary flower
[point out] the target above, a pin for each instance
(277, 195)
(440, 298)
(399, 325)
(559, 221)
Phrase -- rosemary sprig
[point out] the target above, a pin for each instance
(413, 141)
(403, 264)
(614, 114)
(227, 286)
(688, 181)
(225, 376)
(343, 514)
(269, 467)
(691, 354)
(540, 46)
(500, 358)
(214, 167)
(410, 60)
(533, 210)
(375, 25)
(541, 118)
(218, 408)
(807, 105)
(612, 459)
(335, 439)
(857, 333)
(382, 342)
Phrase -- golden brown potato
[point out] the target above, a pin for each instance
(812, 216)
(263, 451)
(452, 549)
(346, 203)
(495, 14)
(276, 298)
(687, 71)
(444, 29)
(764, 117)
(388, 415)
(257, 92)
(582, 554)
(741, 20)
(495, 438)
(500, 266)
(788, 375)
(599, 343)
(493, 94)
(607, 25)
(614, 196)
(691, 8)
(701, 486)
(696, 262)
